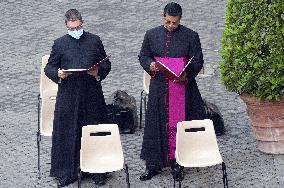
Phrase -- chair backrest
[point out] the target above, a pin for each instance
(47, 112)
(101, 149)
(196, 144)
(146, 82)
(45, 82)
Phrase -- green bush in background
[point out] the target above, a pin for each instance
(253, 48)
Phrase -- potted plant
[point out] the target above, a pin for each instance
(253, 65)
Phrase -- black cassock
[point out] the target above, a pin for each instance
(183, 42)
(80, 100)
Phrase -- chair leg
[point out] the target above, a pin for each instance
(225, 179)
(141, 109)
(38, 154)
(145, 104)
(38, 137)
(179, 181)
(79, 178)
(182, 177)
(178, 174)
(127, 175)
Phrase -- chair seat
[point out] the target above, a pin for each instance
(199, 159)
(95, 164)
(47, 112)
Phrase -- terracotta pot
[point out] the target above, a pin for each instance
(267, 119)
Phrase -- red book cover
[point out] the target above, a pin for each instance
(173, 68)
(89, 69)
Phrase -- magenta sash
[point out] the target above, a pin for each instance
(176, 94)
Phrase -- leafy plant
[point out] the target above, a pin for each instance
(253, 48)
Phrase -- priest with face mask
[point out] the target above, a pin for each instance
(80, 100)
(170, 100)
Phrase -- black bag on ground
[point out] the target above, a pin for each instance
(214, 114)
(123, 111)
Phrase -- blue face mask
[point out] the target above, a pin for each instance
(76, 33)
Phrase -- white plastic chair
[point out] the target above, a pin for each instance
(46, 106)
(144, 94)
(101, 150)
(196, 146)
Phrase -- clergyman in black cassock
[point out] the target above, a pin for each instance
(80, 100)
(170, 42)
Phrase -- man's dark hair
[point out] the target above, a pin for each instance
(72, 15)
(173, 9)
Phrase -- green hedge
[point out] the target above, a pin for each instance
(253, 48)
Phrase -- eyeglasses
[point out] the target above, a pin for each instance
(75, 28)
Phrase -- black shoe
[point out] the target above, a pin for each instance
(149, 173)
(99, 179)
(64, 181)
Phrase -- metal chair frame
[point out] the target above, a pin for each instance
(43, 88)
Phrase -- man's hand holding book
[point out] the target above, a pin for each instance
(62, 74)
(93, 72)
(153, 67)
(182, 78)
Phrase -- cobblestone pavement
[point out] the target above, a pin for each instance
(28, 29)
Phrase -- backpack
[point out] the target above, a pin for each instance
(213, 113)
(122, 110)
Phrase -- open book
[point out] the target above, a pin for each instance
(89, 69)
(173, 68)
